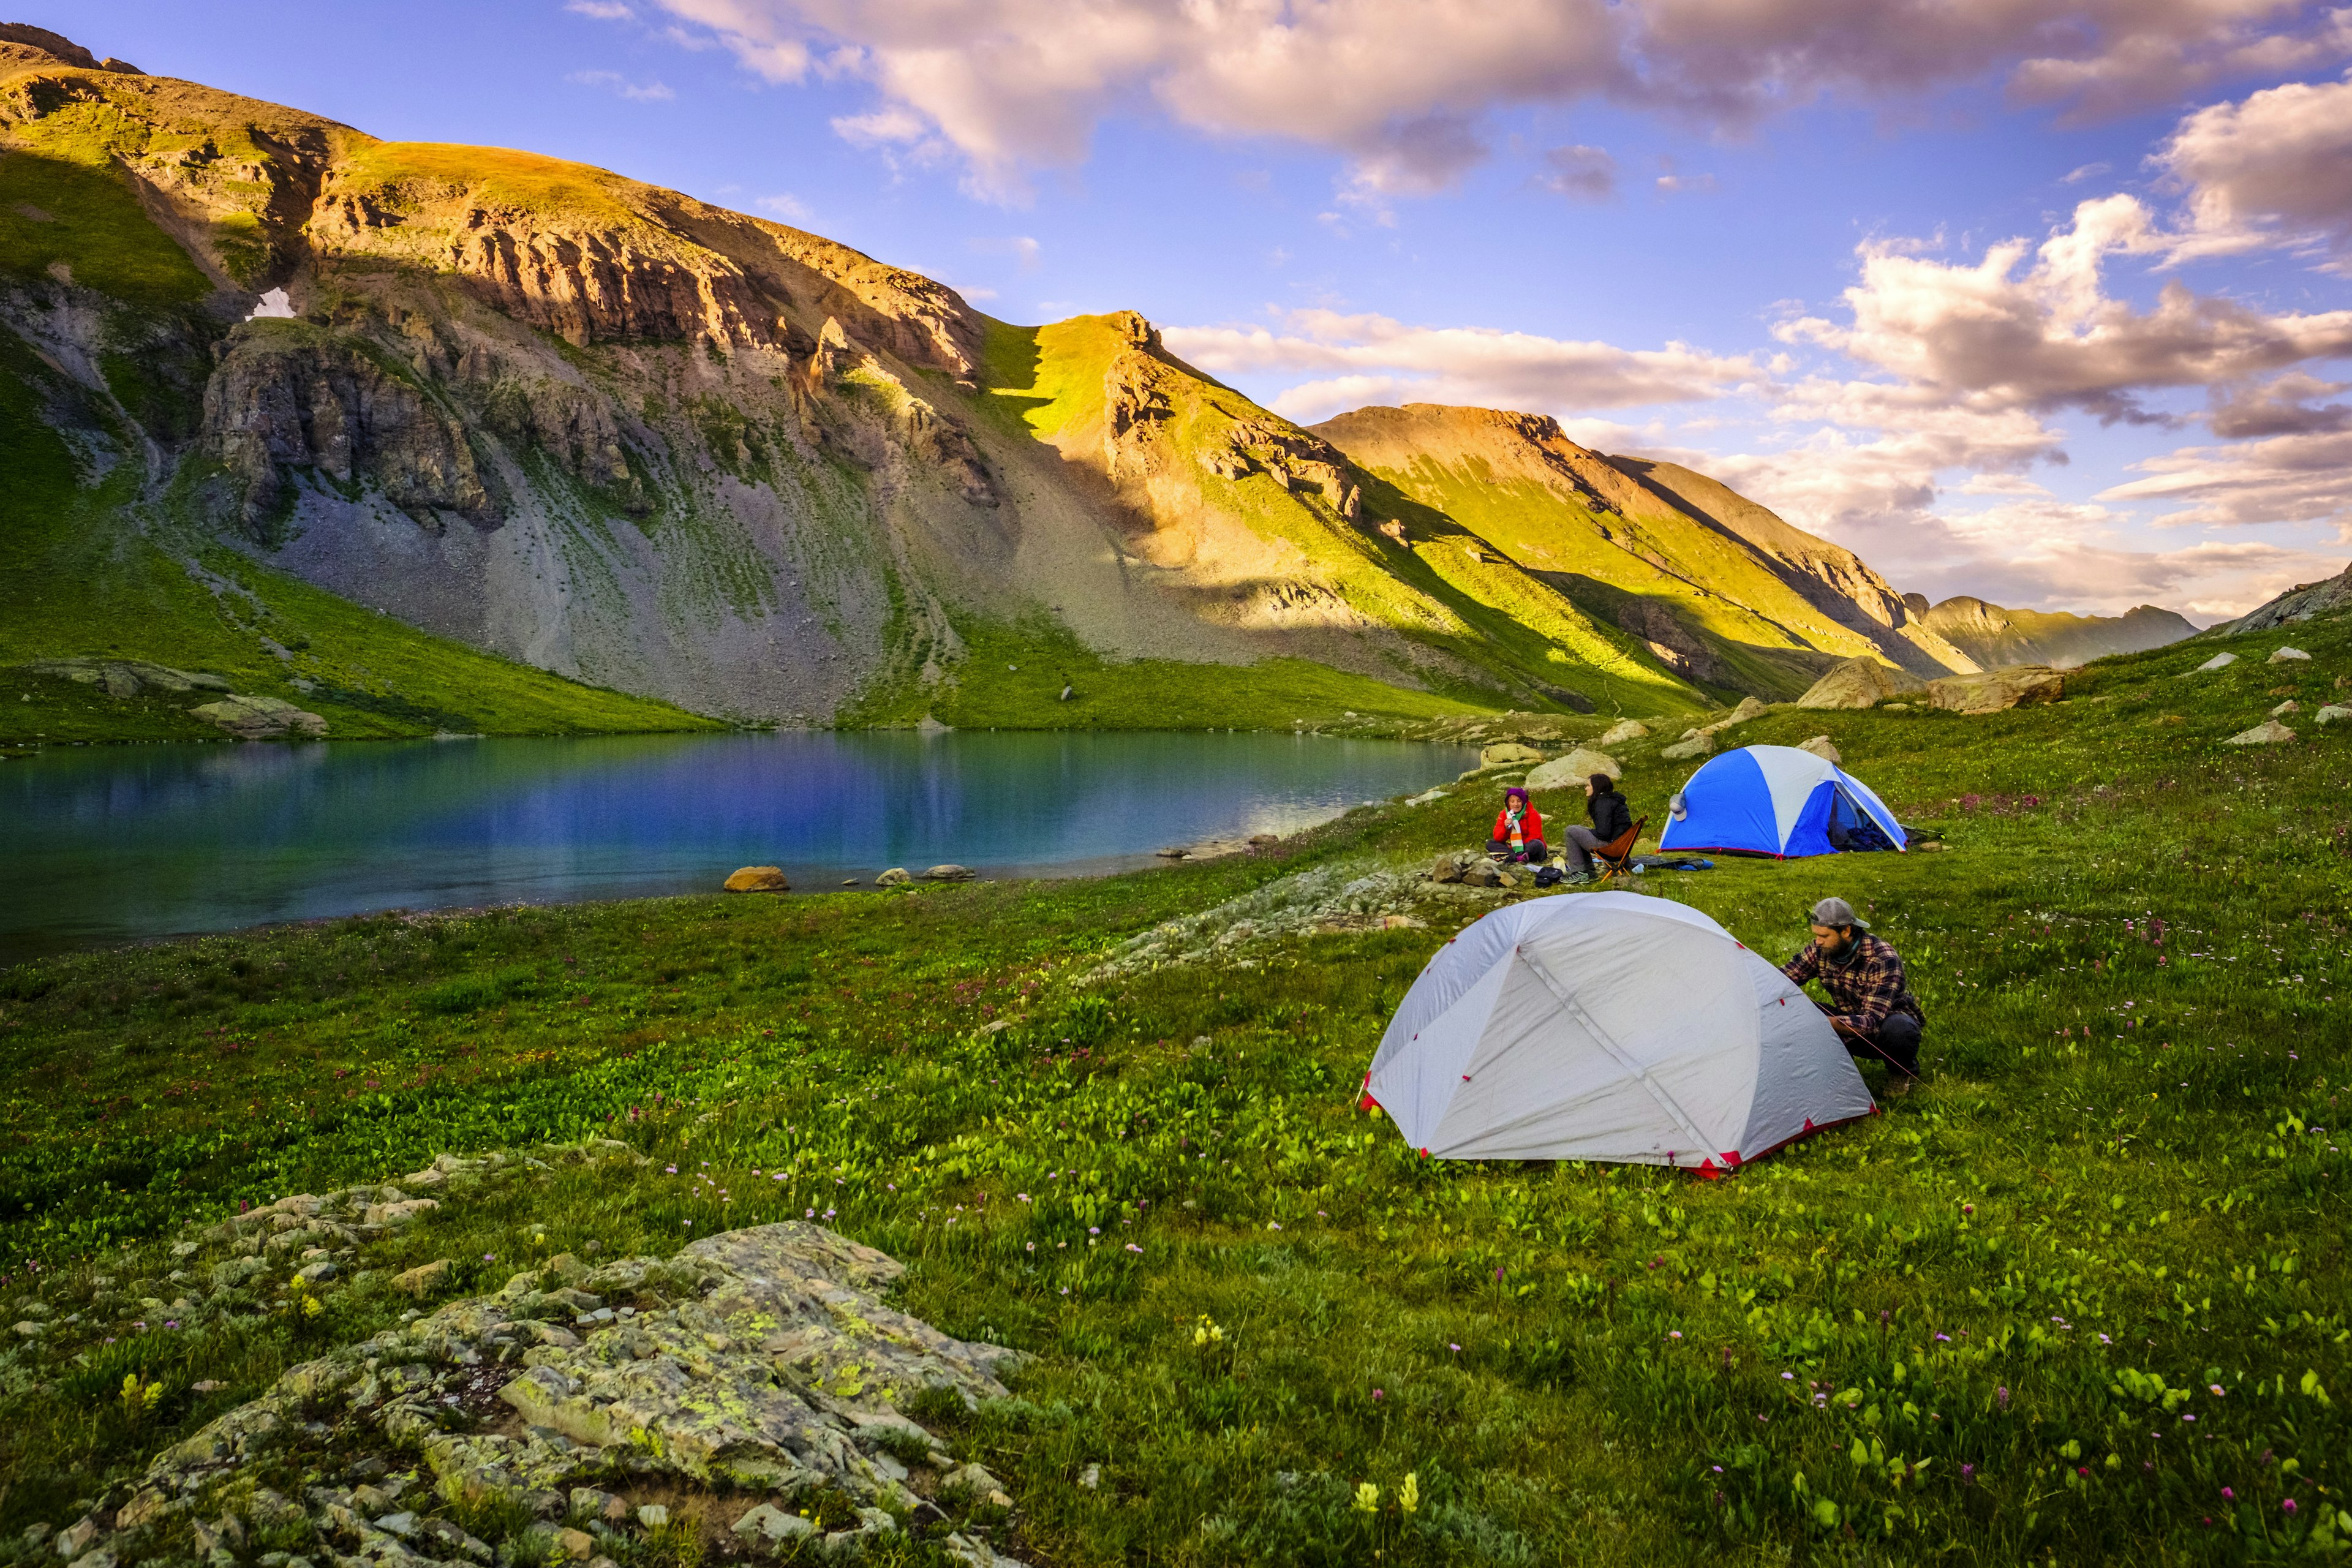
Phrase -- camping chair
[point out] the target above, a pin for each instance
(1615, 858)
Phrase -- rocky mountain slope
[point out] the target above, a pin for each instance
(1721, 589)
(306, 405)
(1993, 636)
(2300, 603)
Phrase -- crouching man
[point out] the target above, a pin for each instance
(1875, 1017)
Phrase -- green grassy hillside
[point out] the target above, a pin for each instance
(2079, 1300)
(1609, 540)
(1428, 582)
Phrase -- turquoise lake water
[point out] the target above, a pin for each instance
(104, 845)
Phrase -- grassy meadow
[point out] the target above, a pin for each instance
(2079, 1298)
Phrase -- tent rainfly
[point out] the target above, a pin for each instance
(1611, 1026)
(1778, 801)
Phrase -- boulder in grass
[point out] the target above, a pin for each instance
(1570, 770)
(260, 718)
(2269, 732)
(2219, 662)
(1504, 752)
(1622, 731)
(2331, 714)
(758, 880)
(1683, 750)
(2286, 707)
(896, 876)
(1750, 707)
(1861, 682)
(948, 873)
(1821, 747)
(1997, 690)
(2288, 655)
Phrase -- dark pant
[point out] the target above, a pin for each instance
(1535, 854)
(1896, 1040)
(1577, 850)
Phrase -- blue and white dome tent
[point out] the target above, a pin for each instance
(1778, 801)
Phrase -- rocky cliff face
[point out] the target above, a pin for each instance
(288, 397)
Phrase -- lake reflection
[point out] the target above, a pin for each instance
(103, 845)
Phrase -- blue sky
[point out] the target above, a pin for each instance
(1749, 234)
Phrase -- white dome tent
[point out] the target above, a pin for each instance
(1609, 1027)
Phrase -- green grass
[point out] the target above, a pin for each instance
(1975, 1326)
(91, 223)
(1012, 678)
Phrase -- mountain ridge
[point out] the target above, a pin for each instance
(613, 433)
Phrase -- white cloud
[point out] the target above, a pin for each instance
(1673, 183)
(2302, 477)
(2050, 336)
(601, 10)
(614, 81)
(1398, 86)
(2285, 405)
(2086, 171)
(785, 206)
(1586, 173)
(1359, 358)
(2273, 166)
(1021, 247)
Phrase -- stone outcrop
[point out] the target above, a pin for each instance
(2288, 655)
(260, 718)
(754, 1368)
(1674, 645)
(758, 880)
(1505, 753)
(63, 49)
(747, 1393)
(1622, 731)
(2269, 732)
(1572, 771)
(2019, 686)
(2220, 661)
(2332, 713)
(128, 677)
(289, 395)
(1822, 747)
(1698, 745)
(945, 873)
(1860, 683)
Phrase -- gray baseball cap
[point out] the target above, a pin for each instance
(1838, 912)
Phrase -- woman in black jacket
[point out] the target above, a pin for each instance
(1610, 819)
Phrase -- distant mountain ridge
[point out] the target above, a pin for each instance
(1993, 636)
(612, 432)
(1724, 591)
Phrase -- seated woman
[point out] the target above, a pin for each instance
(1611, 818)
(1519, 830)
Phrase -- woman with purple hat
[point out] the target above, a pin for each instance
(1518, 831)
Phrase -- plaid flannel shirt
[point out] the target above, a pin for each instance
(1863, 989)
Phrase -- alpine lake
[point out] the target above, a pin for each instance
(107, 844)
